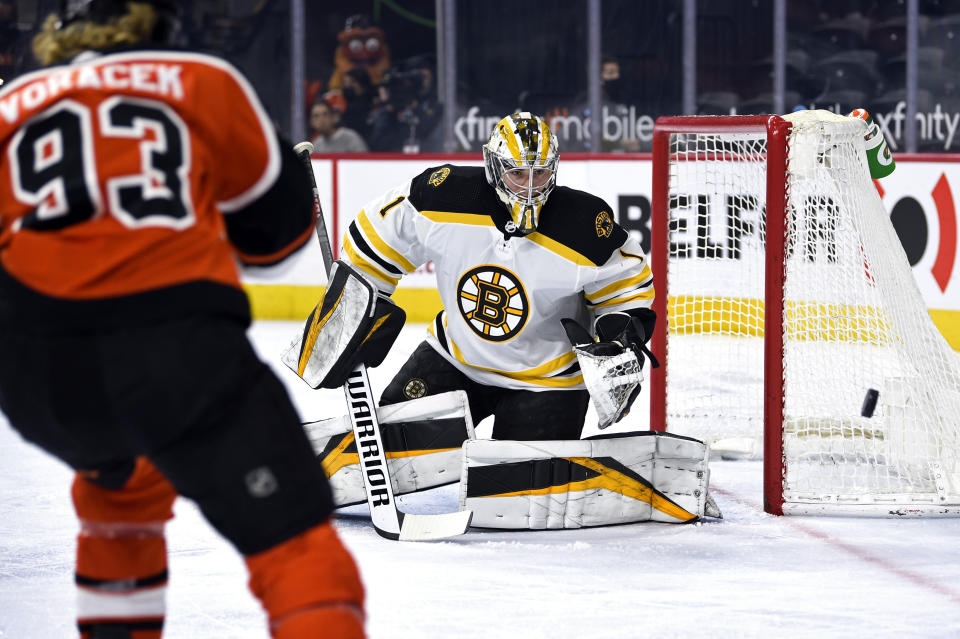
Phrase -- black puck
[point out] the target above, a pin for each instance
(870, 402)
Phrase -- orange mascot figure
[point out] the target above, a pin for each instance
(361, 45)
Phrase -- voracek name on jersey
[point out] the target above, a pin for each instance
(148, 77)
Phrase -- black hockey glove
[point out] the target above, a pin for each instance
(629, 331)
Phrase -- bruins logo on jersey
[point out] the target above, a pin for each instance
(414, 388)
(604, 224)
(493, 302)
(438, 176)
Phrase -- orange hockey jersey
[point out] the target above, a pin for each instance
(138, 173)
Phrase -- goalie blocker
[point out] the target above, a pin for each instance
(353, 324)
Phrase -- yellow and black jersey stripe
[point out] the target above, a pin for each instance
(633, 291)
(368, 251)
(559, 372)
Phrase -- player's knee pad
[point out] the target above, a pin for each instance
(618, 479)
(121, 571)
(422, 438)
(310, 586)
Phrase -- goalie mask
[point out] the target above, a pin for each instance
(520, 162)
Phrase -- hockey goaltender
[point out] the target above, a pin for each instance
(522, 266)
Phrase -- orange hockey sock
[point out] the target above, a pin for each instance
(122, 556)
(309, 586)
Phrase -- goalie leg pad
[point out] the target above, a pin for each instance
(422, 438)
(620, 479)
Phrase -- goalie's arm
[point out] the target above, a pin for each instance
(620, 295)
(612, 365)
(622, 286)
(357, 322)
(384, 242)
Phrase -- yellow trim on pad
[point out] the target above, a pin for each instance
(613, 481)
(338, 458)
(306, 349)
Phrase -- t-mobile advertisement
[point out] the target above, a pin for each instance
(628, 128)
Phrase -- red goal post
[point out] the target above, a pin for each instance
(776, 130)
(768, 347)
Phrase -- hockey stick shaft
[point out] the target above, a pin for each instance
(363, 415)
(388, 520)
(303, 151)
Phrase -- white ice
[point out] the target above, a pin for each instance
(750, 575)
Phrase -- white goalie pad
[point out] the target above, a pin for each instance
(335, 327)
(622, 479)
(422, 439)
(610, 380)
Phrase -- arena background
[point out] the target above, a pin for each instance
(442, 72)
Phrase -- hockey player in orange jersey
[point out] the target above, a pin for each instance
(122, 319)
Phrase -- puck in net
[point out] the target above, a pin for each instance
(870, 402)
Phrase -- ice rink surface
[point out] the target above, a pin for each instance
(750, 575)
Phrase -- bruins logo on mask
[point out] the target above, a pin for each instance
(604, 224)
(493, 302)
(438, 176)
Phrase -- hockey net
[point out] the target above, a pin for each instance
(786, 296)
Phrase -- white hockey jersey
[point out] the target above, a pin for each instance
(503, 295)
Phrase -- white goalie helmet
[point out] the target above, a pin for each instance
(520, 161)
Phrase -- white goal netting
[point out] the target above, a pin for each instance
(853, 320)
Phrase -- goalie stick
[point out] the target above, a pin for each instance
(388, 520)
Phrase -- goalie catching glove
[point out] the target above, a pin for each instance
(353, 324)
(612, 365)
